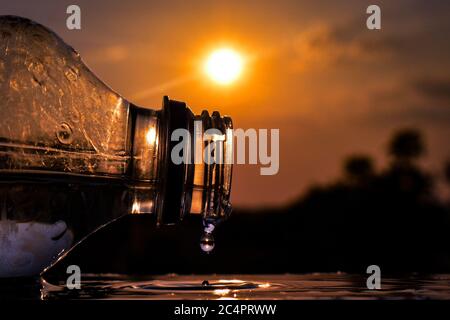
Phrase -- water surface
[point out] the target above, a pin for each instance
(288, 286)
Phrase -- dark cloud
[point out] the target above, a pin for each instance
(420, 115)
(434, 88)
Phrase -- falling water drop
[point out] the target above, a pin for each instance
(207, 240)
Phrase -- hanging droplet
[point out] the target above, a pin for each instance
(207, 242)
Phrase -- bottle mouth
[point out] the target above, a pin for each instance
(201, 182)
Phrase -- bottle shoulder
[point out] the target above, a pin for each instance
(54, 107)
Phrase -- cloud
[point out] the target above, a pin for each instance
(324, 45)
(437, 88)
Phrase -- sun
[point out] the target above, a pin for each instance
(224, 66)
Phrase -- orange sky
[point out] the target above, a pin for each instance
(331, 86)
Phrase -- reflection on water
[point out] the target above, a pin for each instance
(308, 286)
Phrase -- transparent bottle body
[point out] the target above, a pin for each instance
(74, 155)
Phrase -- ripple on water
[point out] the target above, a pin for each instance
(306, 286)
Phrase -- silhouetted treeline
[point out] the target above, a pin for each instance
(390, 217)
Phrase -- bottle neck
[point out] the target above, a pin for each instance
(192, 174)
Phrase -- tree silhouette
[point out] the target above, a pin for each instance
(406, 145)
(405, 181)
(359, 168)
(447, 172)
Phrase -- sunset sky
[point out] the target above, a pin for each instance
(313, 70)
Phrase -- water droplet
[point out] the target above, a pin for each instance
(64, 133)
(207, 242)
(205, 283)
